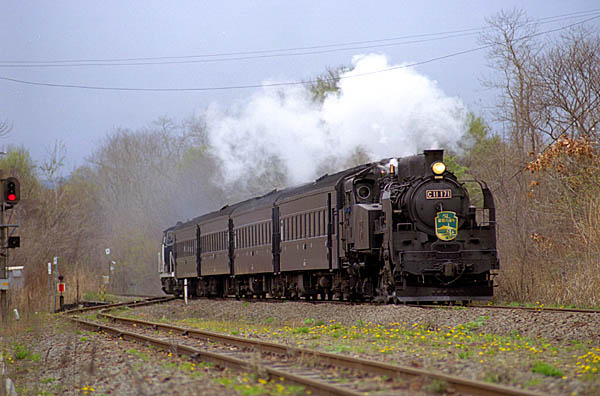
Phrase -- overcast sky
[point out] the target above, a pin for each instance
(32, 31)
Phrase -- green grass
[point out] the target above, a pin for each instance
(437, 386)
(22, 353)
(492, 377)
(546, 369)
(138, 354)
(474, 325)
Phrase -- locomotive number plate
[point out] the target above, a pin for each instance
(438, 194)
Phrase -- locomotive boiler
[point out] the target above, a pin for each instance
(397, 230)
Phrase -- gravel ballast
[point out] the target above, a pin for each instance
(551, 352)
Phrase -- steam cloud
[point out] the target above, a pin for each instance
(389, 114)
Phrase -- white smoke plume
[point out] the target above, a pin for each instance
(390, 114)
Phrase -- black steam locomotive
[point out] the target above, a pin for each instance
(397, 230)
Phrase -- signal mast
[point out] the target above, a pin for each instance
(10, 218)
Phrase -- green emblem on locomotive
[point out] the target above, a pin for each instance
(446, 225)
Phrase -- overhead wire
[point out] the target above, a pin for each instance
(278, 84)
(285, 52)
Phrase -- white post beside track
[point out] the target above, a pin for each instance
(185, 291)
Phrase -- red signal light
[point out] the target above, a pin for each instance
(12, 197)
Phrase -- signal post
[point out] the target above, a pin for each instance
(9, 199)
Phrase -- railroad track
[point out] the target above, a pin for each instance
(316, 371)
(424, 306)
(508, 307)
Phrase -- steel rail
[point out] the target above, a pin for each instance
(507, 307)
(369, 366)
(136, 303)
(222, 360)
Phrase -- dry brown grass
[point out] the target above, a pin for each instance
(37, 296)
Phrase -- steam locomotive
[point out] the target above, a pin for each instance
(397, 230)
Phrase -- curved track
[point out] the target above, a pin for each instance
(300, 366)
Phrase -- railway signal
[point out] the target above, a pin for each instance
(61, 290)
(11, 190)
(14, 242)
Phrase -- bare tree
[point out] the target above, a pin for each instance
(512, 52)
(549, 104)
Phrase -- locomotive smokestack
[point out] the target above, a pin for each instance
(432, 156)
(419, 164)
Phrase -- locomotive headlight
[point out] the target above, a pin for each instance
(438, 168)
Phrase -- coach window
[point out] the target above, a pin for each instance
(303, 225)
(268, 232)
(318, 222)
(292, 228)
(306, 227)
(260, 234)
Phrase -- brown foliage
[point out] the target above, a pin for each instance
(548, 217)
